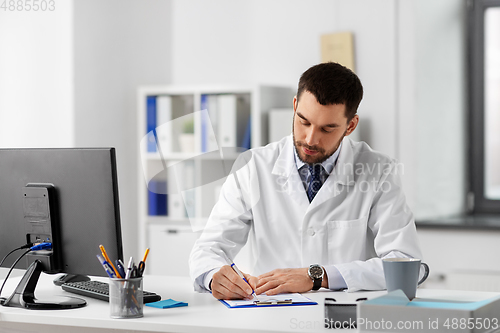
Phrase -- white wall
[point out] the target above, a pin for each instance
(119, 46)
(36, 76)
(224, 41)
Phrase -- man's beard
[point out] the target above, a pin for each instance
(323, 155)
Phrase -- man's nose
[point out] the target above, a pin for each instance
(312, 136)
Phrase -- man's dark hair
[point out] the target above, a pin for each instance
(332, 83)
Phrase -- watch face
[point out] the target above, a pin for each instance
(316, 271)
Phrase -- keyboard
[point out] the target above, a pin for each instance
(100, 290)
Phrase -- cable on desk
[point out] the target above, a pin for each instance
(2, 299)
(30, 247)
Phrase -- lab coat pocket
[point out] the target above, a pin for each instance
(347, 240)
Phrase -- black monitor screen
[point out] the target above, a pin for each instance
(86, 188)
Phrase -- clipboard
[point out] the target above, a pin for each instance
(268, 301)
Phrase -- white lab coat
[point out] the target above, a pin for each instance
(358, 216)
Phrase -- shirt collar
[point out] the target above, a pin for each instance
(328, 165)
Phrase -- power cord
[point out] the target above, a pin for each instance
(25, 246)
(37, 247)
(2, 299)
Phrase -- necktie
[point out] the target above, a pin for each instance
(315, 181)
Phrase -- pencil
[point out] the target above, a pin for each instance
(105, 255)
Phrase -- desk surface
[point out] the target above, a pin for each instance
(204, 313)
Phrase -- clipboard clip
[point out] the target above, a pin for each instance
(273, 302)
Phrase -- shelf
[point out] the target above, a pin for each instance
(193, 175)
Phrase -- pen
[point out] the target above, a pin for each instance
(120, 267)
(128, 274)
(106, 266)
(233, 266)
(244, 279)
(130, 267)
(105, 255)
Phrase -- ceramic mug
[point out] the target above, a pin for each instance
(402, 273)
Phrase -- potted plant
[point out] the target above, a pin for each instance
(186, 138)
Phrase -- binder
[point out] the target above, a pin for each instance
(188, 191)
(243, 121)
(212, 142)
(164, 123)
(227, 117)
(280, 123)
(208, 123)
(176, 207)
(204, 120)
(157, 198)
(151, 123)
(247, 137)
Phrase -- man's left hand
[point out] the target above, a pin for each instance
(289, 280)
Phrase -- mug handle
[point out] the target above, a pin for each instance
(426, 274)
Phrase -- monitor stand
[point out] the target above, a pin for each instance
(24, 295)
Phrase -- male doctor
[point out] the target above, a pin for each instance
(316, 208)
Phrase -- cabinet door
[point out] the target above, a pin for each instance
(170, 248)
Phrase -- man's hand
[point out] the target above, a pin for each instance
(290, 280)
(226, 284)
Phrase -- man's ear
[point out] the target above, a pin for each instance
(353, 123)
(294, 104)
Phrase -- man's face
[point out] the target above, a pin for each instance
(319, 129)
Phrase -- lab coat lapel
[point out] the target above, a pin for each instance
(286, 169)
(340, 178)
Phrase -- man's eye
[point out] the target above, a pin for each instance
(328, 130)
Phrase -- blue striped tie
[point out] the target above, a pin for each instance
(315, 181)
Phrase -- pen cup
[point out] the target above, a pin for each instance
(125, 298)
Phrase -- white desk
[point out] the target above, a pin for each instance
(204, 313)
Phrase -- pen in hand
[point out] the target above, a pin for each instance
(233, 266)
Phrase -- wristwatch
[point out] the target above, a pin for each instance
(316, 274)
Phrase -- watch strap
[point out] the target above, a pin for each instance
(317, 284)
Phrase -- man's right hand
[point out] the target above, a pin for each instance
(226, 284)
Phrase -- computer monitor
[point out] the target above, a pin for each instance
(66, 196)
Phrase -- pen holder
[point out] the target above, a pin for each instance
(125, 298)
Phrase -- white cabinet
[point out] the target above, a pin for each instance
(171, 246)
(189, 138)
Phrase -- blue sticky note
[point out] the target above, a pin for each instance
(167, 303)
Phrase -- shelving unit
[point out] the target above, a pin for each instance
(192, 174)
